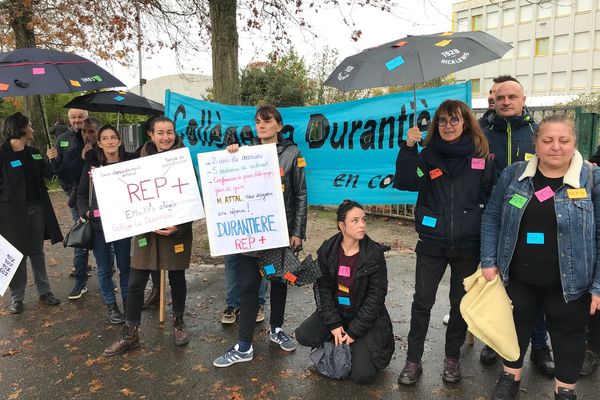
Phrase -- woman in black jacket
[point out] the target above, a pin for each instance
(109, 151)
(350, 297)
(26, 214)
(454, 177)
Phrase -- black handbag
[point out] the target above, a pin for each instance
(282, 265)
(81, 234)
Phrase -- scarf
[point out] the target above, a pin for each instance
(455, 154)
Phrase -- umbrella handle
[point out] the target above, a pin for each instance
(39, 97)
(415, 103)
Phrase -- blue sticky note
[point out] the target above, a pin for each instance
(119, 98)
(535, 238)
(345, 301)
(269, 269)
(429, 221)
(394, 63)
(16, 163)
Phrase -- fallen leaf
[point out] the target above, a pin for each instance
(15, 395)
(96, 385)
(95, 361)
(179, 380)
(70, 375)
(10, 353)
(48, 324)
(254, 379)
(81, 336)
(267, 391)
(376, 393)
(4, 342)
(27, 342)
(52, 262)
(287, 373)
(200, 368)
(126, 367)
(20, 332)
(127, 392)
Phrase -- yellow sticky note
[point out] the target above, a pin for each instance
(301, 162)
(446, 34)
(528, 156)
(282, 187)
(179, 248)
(75, 83)
(580, 193)
(343, 288)
(443, 43)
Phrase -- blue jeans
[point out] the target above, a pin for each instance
(103, 255)
(80, 256)
(232, 282)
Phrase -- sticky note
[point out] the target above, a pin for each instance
(64, 143)
(400, 44)
(419, 172)
(446, 34)
(97, 213)
(535, 238)
(74, 83)
(343, 288)
(290, 277)
(301, 162)
(345, 301)
(4, 87)
(179, 248)
(16, 163)
(429, 221)
(269, 269)
(478, 163)
(544, 194)
(344, 271)
(517, 200)
(528, 156)
(142, 242)
(119, 98)
(580, 193)
(435, 173)
(283, 187)
(394, 63)
(38, 71)
(281, 173)
(443, 43)
(36, 156)
(97, 78)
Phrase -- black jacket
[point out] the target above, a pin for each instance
(372, 320)
(68, 163)
(13, 199)
(448, 211)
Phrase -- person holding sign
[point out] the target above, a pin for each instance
(454, 177)
(26, 214)
(291, 163)
(350, 297)
(540, 233)
(109, 151)
(168, 249)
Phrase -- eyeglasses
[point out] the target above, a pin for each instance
(444, 121)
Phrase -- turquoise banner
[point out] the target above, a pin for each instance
(350, 148)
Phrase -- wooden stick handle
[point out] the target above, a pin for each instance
(162, 301)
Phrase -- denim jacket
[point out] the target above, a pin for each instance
(578, 224)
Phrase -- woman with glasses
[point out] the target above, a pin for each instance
(454, 177)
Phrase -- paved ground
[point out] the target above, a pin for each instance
(55, 353)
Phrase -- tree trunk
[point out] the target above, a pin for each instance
(224, 42)
(21, 15)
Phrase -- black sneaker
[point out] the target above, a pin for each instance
(506, 388)
(50, 299)
(16, 307)
(114, 314)
(488, 356)
(590, 361)
(542, 359)
(410, 373)
(78, 292)
(565, 394)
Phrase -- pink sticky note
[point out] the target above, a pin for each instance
(97, 213)
(478, 163)
(344, 271)
(544, 194)
(39, 71)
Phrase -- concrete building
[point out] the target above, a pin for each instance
(556, 44)
(193, 85)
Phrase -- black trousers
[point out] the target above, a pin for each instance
(249, 285)
(429, 273)
(593, 333)
(313, 333)
(566, 324)
(137, 283)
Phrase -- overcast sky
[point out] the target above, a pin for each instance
(413, 17)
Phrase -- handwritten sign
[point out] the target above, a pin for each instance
(10, 258)
(244, 200)
(146, 194)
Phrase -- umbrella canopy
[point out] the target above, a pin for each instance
(416, 59)
(116, 101)
(32, 71)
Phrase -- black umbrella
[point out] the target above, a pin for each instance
(116, 101)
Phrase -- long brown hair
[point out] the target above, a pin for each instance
(470, 125)
(101, 156)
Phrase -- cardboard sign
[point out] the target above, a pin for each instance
(244, 203)
(10, 258)
(147, 194)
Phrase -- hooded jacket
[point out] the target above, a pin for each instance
(372, 320)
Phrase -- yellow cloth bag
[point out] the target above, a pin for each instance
(487, 310)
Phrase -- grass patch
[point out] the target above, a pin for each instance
(53, 185)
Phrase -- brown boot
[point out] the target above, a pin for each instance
(181, 336)
(152, 299)
(129, 340)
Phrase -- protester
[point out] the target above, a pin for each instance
(109, 151)
(26, 214)
(509, 131)
(539, 233)
(232, 292)
(350, 297)
(268, 127)
(168, 249)
(454, 177)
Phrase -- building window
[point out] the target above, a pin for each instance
(488, 82)
(583, 5)
(540, 83)
(475, 87)
(563, 7)
(559, 80)
(526, 13)
(596, 78)
(541, 46)
(509, 54)
(561, 44)
(581, 41)
(477, 22)
(493, 20)
(545, 10)
(463, 25)
(524, 81)
(579, 79)
(524, 49)
(597, 37)
(508, 16)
